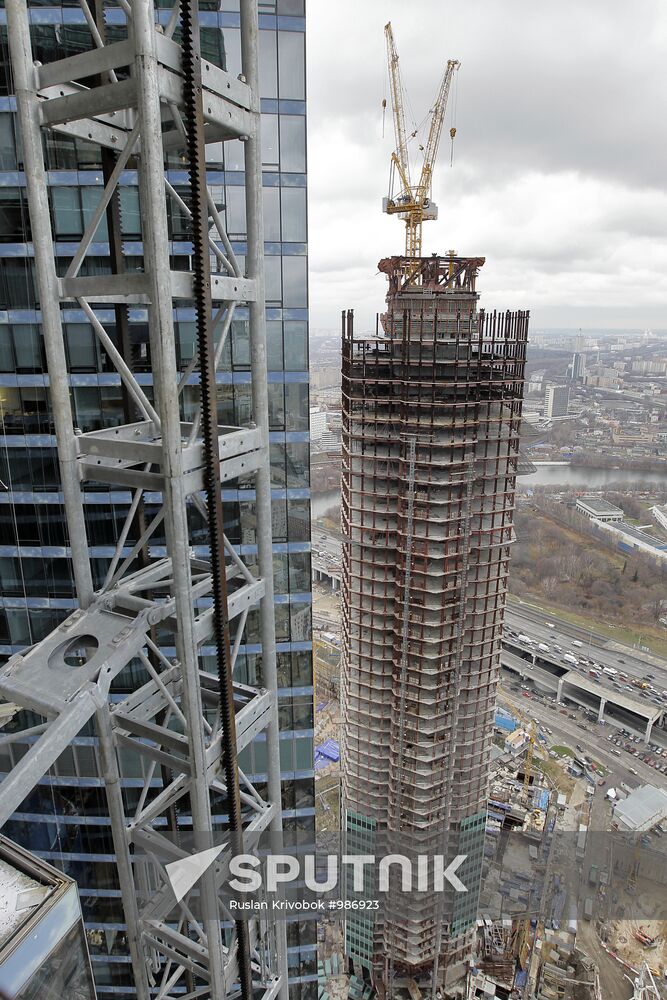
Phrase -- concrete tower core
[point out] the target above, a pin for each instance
(431, 415)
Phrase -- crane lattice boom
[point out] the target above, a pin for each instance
(413, 203)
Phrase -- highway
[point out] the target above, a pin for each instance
(625, 659)
(326, 543)
(579, 663)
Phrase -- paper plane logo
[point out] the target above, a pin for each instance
(184, 873)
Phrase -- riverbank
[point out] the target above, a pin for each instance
(555, 475)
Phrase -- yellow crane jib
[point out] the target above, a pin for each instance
(413, 202)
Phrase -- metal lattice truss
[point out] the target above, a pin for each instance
(173, 722)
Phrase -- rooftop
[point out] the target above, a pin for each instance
(599, 506)
(25, 883)
(643, 808)
(642, 536)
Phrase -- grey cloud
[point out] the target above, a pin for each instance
(560, 158)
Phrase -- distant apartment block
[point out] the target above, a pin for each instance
(318, 423)
(556, 401)
(536, 381)
(578, 367)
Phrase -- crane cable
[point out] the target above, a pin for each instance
(452, 131)
(194, 129)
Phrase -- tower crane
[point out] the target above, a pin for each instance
(412, 202)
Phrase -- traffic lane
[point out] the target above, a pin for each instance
(538, 620)
(604, 681)
(595, 745)
(651, 700)
(564, 633)
(623, 663)
(511, 663)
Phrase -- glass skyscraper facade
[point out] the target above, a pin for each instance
(64, 819)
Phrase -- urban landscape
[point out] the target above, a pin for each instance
(333, 569)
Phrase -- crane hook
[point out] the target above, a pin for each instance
(452, 133)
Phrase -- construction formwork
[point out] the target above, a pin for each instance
(431, 416)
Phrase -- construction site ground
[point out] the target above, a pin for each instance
(326, 604)
(330, 942)
(327, 779)
(613, 984)
(622, 940)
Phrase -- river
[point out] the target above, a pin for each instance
(547, 474)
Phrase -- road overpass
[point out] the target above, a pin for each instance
(568, 684)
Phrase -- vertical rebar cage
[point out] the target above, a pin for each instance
(140, 98)
(431, 417)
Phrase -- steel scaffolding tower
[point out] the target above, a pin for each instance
(150, 95)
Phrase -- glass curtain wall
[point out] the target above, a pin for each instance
(63, 819)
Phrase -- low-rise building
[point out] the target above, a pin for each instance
(516, 741)
(600, 509)
(643, 809)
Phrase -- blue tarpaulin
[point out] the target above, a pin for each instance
(330, 749)
(506, 722)
(543, 799)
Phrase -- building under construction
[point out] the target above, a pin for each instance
(431, 414)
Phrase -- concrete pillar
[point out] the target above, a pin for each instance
(603, 702)
(559, 692)
(649, 728)
(334, 584)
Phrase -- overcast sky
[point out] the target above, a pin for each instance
(560, 172)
